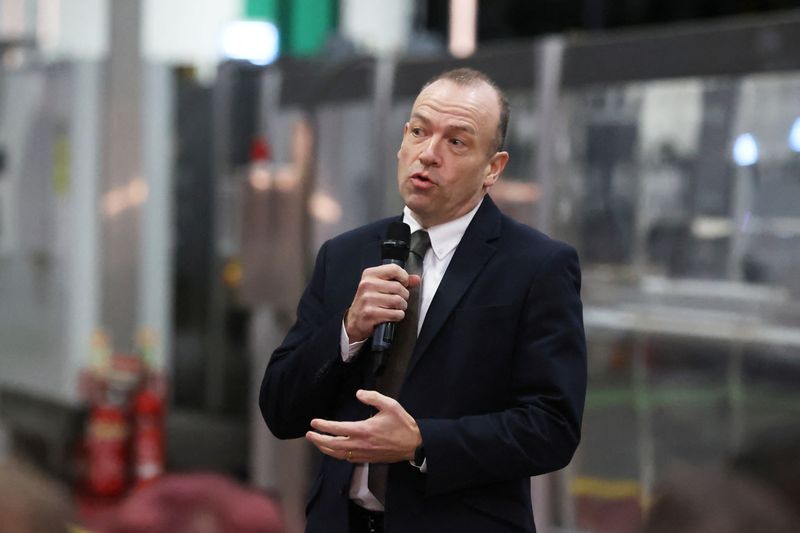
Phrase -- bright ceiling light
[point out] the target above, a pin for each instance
(794, 135)
(745, 150)
(255, 41)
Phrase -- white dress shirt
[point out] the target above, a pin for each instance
(444, 240)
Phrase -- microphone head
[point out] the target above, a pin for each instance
(396, 244)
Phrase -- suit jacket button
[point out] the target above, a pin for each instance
(342, 491)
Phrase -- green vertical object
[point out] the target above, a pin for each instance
(310, 23)
(261, 10)
(304, 25)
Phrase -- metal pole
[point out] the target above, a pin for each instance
(123, 190)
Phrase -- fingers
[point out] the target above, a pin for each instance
(370, 283)
(360, 428)
(381, 296)
(320, 442)
(389, 272)
(379, 300)
(338, 429)
(363, 315)
(343, 448)
(329, 442)
(375, 399)
(389, 436)
(338, 436)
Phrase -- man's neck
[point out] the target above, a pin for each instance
(426, 227)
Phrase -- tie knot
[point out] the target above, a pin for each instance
(420, 242)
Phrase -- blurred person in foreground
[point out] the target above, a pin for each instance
(717, 501)
(196, 503)
(30, 502)
(488, 391)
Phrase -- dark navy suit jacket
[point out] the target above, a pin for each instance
(496, 382)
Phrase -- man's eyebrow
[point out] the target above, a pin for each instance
(463, 127)
(419, 116)
(458, 127)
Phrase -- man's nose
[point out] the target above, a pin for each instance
(430, 154)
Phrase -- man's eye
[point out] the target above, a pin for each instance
(456, 142)
(416, 132)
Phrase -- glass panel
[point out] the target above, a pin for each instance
(396, 119)
(344, 171)
(770, 400)
(517, 192)
(683, 200)
(35, 230)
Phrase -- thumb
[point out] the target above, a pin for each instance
(414, 280)
(373, 398)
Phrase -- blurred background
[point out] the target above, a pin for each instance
(169, 168)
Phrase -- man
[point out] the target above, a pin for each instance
(494, 386)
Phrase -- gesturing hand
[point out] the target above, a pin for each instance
(390, 436)
(382, 296)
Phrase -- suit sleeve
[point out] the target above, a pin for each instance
(539, 430)
(304, 374)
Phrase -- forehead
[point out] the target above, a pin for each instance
(476, 104)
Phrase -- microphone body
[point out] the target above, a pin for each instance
(394, 251)
(383, 336)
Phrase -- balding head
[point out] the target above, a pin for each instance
(468, 77)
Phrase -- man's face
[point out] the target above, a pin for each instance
(446, 160)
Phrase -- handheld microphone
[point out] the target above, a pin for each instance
(394, 251)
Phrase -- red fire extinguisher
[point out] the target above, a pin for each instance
(107, 449)
(148, 438)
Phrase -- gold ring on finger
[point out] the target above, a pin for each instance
(349, 455)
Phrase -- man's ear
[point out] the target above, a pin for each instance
(494, 168)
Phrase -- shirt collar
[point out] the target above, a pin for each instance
(444, 237)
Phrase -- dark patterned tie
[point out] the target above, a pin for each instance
(391, 379)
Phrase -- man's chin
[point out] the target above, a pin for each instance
(417, 204)
(415, 201)
(428, 220)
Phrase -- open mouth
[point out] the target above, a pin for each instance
(420, 179)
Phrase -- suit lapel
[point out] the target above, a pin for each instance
(468, 260)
